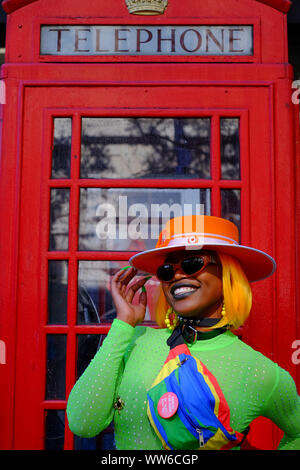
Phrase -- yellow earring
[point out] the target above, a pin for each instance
(170, 311)
(223, 313)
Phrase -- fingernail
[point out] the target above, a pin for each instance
(148, 277)
(143, 289)
(125, 267)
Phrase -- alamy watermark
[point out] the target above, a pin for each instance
(2, 352)
(295, 357)
(296, 353)
(296, 93)
(140, 221)
(2, 92)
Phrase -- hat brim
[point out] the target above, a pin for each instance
(256, 264)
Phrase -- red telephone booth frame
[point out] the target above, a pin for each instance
(25, 182)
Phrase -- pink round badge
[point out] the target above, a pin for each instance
(167, 405)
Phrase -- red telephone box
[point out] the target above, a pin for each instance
(108, 111)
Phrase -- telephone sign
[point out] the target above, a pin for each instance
(146, 40)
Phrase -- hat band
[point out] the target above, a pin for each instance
(199, 239)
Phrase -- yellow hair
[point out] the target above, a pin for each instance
(236, 291)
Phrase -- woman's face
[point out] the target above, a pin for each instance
(197, 296)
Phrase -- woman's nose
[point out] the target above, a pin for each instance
(178, 273)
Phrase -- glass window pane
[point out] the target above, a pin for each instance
(103, 441)
(145, 148)
(54, 429)
(59, 219)
(106, 439)
(95, 304)
(61, 147)
(231, 205)
(57, 292)
(56, 367)
(87, 346)
(230, 148)
(131, 219)
(84, 443)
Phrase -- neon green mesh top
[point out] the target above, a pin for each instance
(128, 362)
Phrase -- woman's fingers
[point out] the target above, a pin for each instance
(143, 297)
(122, 278)
(124, 275)
(133, 288)
(123, 291)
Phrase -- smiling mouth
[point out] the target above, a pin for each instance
(183, 291)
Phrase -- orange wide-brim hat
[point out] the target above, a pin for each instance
(197, 232)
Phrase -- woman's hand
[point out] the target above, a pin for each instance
(123, 296)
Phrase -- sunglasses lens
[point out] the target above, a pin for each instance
(192, 265)
(165, 272)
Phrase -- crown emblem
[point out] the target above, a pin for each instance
(146, 7)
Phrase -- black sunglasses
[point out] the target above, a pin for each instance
(189, 266)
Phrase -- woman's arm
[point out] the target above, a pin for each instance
(283, 408)
(90, 404)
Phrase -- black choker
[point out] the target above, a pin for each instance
(187, 327)
(189, 335)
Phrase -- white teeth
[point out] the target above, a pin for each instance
(182, 290)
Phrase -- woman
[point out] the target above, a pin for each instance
(205, 293)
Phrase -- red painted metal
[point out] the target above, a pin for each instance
(257, 89)
(281, 5)
(12, 5)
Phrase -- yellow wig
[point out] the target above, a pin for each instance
(236, 292)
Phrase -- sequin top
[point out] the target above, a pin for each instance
(114, 386)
